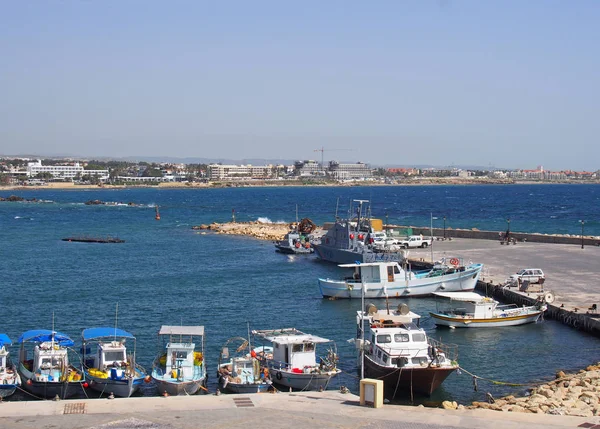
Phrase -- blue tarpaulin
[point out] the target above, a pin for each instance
(92, 333)
(41, 335)
(4, 340)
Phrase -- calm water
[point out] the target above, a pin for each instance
(166, 273)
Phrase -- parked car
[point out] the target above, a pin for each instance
(532, 275)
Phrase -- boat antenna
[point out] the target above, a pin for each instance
(387, 304)
(116, 320)
(337, 204)
(248, 326)
(362, 328)
(296, 216)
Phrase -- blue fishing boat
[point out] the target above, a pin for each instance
(48, 373)
(179, 367)
(106, 364)
(9, 376)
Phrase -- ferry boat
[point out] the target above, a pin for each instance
(48, 373)
(471, 310)
(179, 369)
(350, 240)
(293, 361)
(106, 364)
(9, 376)
(390, 279)
(239, 371)
(393, 348)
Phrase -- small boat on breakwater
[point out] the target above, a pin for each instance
(471, 310)
(85, 239)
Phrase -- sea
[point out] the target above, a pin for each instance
(166, 273)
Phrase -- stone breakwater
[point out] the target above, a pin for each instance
(575, 394)
(260, 230)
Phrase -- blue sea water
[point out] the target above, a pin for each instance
(167, 273)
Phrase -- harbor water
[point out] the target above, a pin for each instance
(167, 273)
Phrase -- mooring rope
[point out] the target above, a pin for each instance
(503, 383)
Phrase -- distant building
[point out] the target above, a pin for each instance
(307, 168)
(357, 171)
(63, 171)
(221, 172)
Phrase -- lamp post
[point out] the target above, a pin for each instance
(431, 235)
(444, 227)
(582, 223)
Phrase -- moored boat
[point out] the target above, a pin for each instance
(399, 352)
(471, 310)
(241, 370)
(390, 279)
(293, 361)
(298, 241)
(106, 365)
(9, 376)
(349, 240)
(179, 369)
(48, 373)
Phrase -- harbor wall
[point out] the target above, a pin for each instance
(495, 235)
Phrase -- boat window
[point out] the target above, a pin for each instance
(387, 338)
(176, 355)
(401, 338)
(419, 360)
(113, 356)
(418, 338)
(396, 269)
(296, 347)
(379, 353)
(309, 347)
(51, 362)
(384, 358)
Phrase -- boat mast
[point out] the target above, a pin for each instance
(116, 319)
(362, 329)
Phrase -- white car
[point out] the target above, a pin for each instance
(532, 275)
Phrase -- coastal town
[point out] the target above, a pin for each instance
(16, 171)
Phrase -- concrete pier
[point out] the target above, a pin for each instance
(572, 274)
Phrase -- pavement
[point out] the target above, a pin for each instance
(570, 274)
(330, 409)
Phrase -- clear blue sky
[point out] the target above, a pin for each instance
(510, 84)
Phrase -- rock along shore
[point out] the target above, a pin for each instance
(256, 229)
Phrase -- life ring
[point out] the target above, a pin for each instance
(307, 245)
(454, 261)
(297, 245)
(278, 375)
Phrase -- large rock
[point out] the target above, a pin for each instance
(449, 405)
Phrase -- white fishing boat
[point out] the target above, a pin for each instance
(9, 376)
(471, 310)
(390, 279)
(179, 368)
(241, 370)
(393, 348)
(106, 365)
(293, 361)
(48, 373)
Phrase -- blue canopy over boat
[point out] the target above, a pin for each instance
(41, 335)
(91, 333)
(4, 340)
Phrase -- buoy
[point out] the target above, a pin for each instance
(157, 217)
(85, 385)
(147, 379)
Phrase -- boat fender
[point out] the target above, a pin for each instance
(297, 245)
(278, 375)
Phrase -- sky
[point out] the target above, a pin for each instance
(503, 84)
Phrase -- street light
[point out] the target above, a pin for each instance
(444, 227)
(582, 223)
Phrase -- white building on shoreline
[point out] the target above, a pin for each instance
(63, 171)
(220, 171)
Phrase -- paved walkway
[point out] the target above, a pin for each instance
(311, 409)
(571, 272)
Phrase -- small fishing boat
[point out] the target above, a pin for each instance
(393, 348)
(241, 371)
(106, 364)
(9, 376)
(293, 361)
(298, 241)
(471, 310)
(390, 279)
(48, 373)
(179, 368)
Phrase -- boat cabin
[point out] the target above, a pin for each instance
(466, 304)
(378, 272)
(50, 362)
(245, 368)
(3, 358)
(180, 360)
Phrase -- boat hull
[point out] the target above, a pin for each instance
(301, 381)
(244, 388)
(179, 388)
(293, 250)
(121, 388)
(399, 382)
(343, 256)
(7, 389)
(463, 281)
(458, 322)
